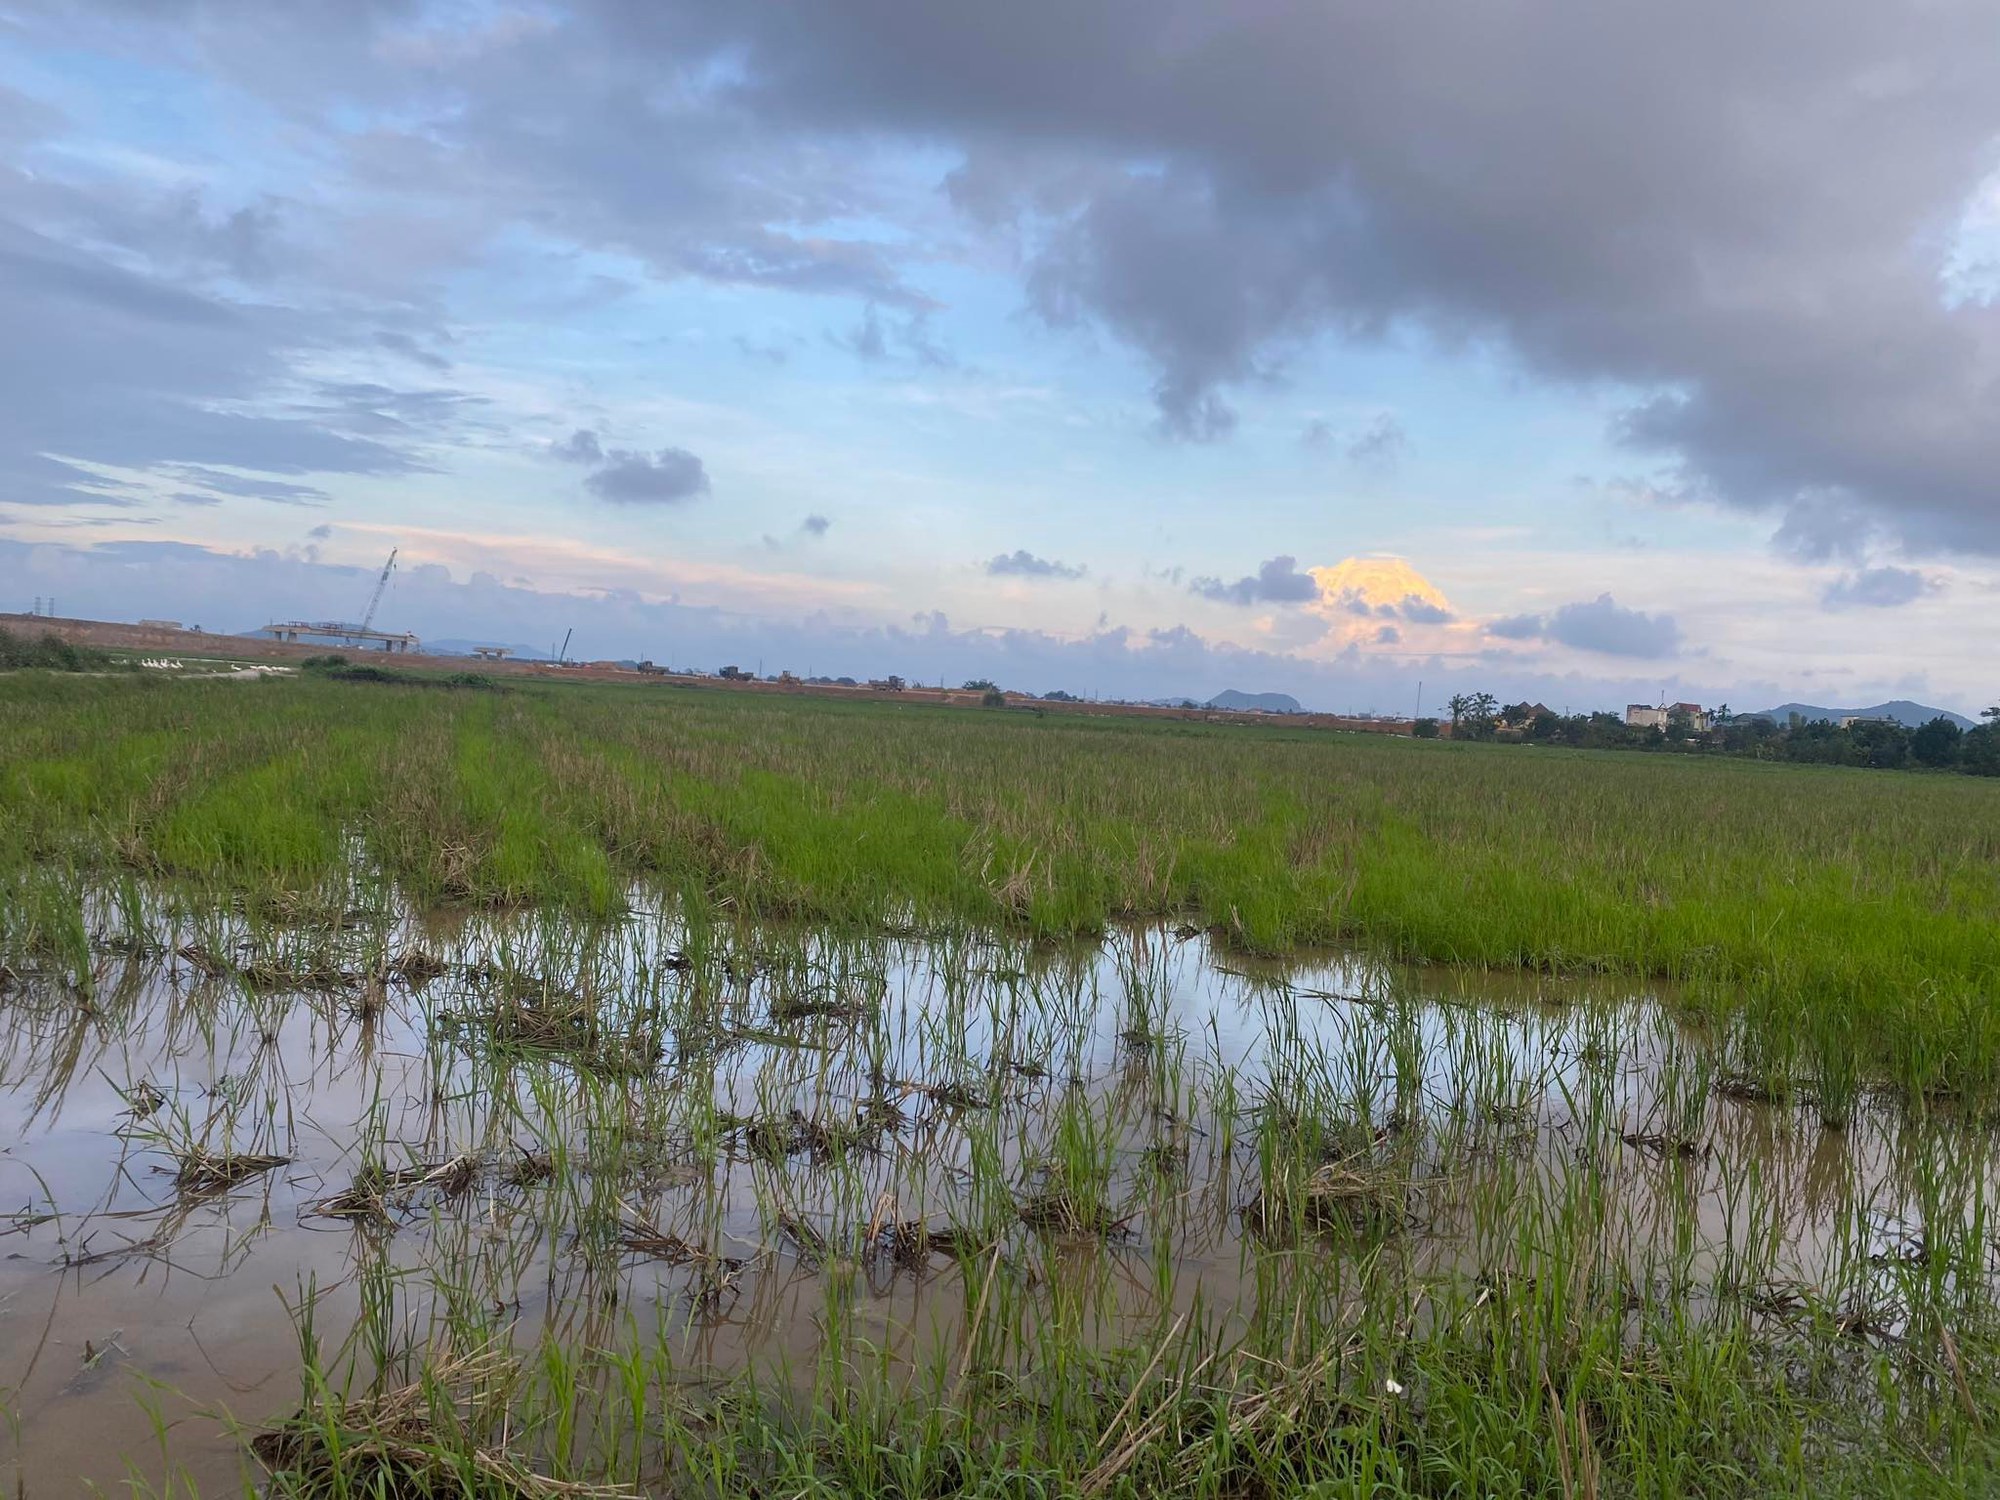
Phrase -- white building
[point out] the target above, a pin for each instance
(1645, 716)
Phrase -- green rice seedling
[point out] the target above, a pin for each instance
(724, 1079)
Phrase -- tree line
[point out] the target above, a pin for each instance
(1877, 744)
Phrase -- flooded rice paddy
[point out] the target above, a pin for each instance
(254, 1160)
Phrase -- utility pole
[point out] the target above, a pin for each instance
(1420, 700)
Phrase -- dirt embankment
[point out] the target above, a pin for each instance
(156, 640)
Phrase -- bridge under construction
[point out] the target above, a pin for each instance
(338, 633)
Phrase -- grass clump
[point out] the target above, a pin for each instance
(332, 666)
(417, 1440)
(49, 652)
(204, 1171)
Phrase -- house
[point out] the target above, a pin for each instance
(1644, 716)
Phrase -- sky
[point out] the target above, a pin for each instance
(1591, 353)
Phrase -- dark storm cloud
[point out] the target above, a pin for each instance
(1743, 208)
(1736, 214)
(1819, 528)
(1516, 627)
(626, 476)
(1022, 563)
(580, 447)
(1606, 626)
(1602, 625)
(1419, 611)
(635, 145)
(668, 477)
(1277, 581)
(1876, 588)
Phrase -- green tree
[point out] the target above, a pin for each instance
(1979, 751)
(1883, 747)
(1473, 716)
(1936, 743)
(1475, 708)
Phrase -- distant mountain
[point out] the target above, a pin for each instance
(1261, 703)
(1902, 711)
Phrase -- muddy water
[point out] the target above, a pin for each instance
(710, 1138)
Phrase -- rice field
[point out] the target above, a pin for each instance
(431, 1090)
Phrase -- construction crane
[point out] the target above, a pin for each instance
(375, 599)
(341, 633)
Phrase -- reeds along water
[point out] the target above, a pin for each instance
(537, 1092)
(1848, 915)
(680, 1199)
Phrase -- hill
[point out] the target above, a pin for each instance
(1261, 703)
(1902, 711)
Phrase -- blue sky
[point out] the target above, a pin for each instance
(1643, 362)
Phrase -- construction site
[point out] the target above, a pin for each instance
(363, 636)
